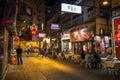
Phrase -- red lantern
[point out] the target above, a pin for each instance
(33, 30)
(16, 38)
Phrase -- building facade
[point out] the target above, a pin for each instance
(95, 18)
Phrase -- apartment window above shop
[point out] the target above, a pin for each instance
(66, 21)
(90, 13)
(67, 25)
(116, 12)
(77, 19)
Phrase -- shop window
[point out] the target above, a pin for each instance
(77, 48)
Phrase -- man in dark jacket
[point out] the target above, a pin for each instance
(96, 60)
(19, 55)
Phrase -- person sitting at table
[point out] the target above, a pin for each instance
(96, 60)
(88, 60)
(109, 56)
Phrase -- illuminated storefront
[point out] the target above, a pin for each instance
(65, 42)
(82, 40)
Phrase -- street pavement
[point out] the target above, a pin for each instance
(43, 68)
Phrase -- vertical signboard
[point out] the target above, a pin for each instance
(116, 25)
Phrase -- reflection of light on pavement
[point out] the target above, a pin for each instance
(55, 64)
(42, 60)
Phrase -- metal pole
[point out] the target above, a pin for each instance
(113, 34)
(113, 42)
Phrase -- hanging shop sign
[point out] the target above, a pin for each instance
(65, 36)
(84, 34)
(55, 26)
(71, 8)
(41, 35)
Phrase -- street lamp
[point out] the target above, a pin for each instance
(105, 2)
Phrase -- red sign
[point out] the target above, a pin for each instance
(65, 36)
(16, 38)
(7, 21)
(117, 24)
(117, 37)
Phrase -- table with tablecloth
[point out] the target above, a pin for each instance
(112, 66)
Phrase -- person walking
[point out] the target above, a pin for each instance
(19, 55)
(28, 51)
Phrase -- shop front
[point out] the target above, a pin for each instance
(82, 40)
(65, 42)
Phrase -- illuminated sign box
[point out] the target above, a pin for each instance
(65, 36)
(42, 35)
(54, 26)
(71, 8)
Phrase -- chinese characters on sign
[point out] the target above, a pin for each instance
(71, 8)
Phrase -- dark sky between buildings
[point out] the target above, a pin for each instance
(50, 2)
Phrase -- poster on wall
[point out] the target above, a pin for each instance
(102, 43)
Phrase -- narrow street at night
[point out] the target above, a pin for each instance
(59, 39)
(44, 68)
